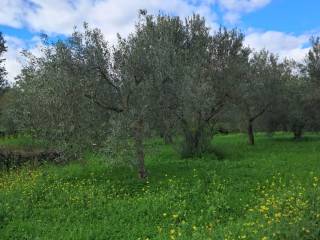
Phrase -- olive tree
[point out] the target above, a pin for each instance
(191, 71)
(167, 48)
(295, 109)
(83, 89)
(313, 61)
(52, 96)
(194, 71)
(124, 81)
(313, 74)
(208, 64)
(145, 63)
(257, 88)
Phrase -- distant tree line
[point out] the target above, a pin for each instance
(171, 78)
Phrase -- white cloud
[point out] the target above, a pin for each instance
(243, 5)
(235, 8)
(285, 45)
(111, 16)
(11, 12)
(60, 16)
(13, 63)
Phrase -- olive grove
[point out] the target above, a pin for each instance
(173, 78)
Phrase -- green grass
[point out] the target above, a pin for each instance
(24, 142)
(269, 191)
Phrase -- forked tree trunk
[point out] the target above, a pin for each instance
(250, 133)
(196, 141)
(252, 119)
(297, 130)
(138, 138)
(167, 138)
(166, 133)
(297, 133)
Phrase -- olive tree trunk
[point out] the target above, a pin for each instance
(167, 137)
(250, 133)
(196, 141)
(297, 131)
(138, 139)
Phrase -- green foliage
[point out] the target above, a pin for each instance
(51, 97)
(271, 191)
(9, 112)
(313, 61)
(21, 142)
(3, 73)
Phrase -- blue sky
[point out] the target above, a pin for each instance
(282, 26)
(292, 16)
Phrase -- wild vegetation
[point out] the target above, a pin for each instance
(170, 102)
(271, 191)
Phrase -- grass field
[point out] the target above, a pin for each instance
(269, 191)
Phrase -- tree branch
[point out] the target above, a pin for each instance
(104, 106)
(106, 78)
(260, 113)
(215, 110)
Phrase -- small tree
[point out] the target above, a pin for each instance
(257, 89)
(295, 101)
(140, 63)
(208, 65)
(313, 61)
(313, 73)
(295, 110)
(52, 97)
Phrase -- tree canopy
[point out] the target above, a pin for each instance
(170, 77)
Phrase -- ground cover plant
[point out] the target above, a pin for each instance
(270, 191)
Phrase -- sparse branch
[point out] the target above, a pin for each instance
(260, 113)
(107, 79)
(104, 106)
(215, 110)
